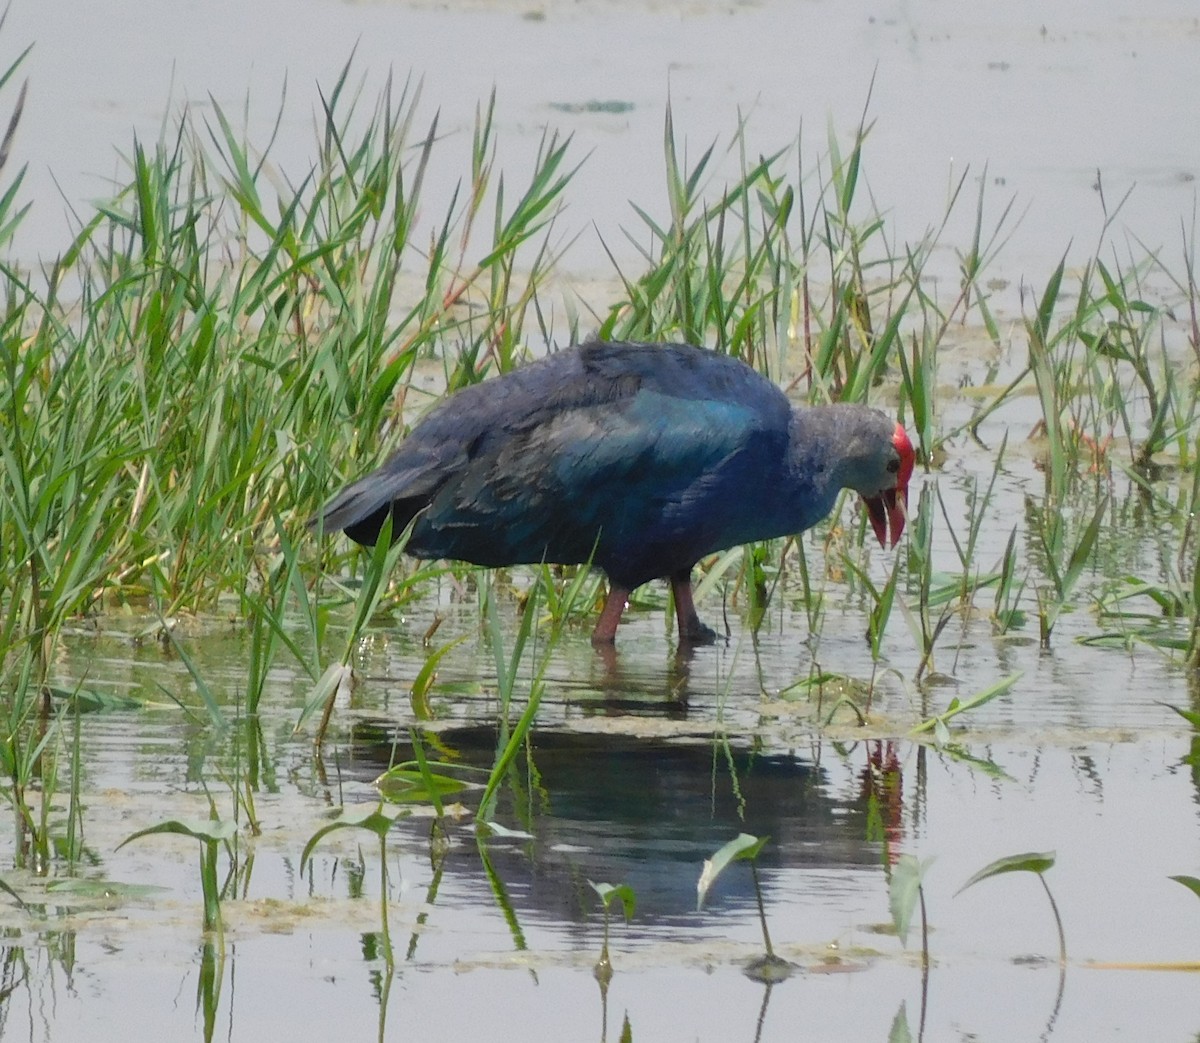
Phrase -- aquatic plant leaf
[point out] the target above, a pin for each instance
(1190, 716)
(714, 575)
(338, 678)
(900, 1032)
(504, 832)
(1190, 882)
(377, 818)
(88, 700)
(206, 830)
(425, 678)
(1045, 310)
(743, 846)
(807, 683)
(211, 703)
(79, 887)
(626, 1030)
(210, 833)
(941, 734)
(988, 767)
(21, 902)
(510, 743)
(404, 785)
(962, 706)
(769, 969)
(904, 891)
(1083, 549)
(1029, 862)
(624, 892)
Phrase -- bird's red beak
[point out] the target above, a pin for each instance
(888, 510)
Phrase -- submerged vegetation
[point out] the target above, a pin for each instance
(222, 344)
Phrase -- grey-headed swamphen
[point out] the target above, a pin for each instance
(641, 458)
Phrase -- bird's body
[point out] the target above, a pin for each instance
(640, 458)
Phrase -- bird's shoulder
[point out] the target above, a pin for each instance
(681, 371)
(596, 384)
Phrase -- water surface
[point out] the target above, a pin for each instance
(640, 768)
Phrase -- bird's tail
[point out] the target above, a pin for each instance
(361, 508)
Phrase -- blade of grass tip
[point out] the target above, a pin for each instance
(510, 744)
(1083, 549)
(523, 223)
(503, 683)
(979, 511)
(383, 555)
(528, 616)
(692, 182)
(435, 797)
(850, 179)
(11, 71)
(509, 752)
(245, 188)
(1045, 311)
(675, 189)
(215, 713)
(15, 118)
(406, 201)
(264, 153)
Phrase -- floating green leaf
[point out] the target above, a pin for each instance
(90, 700)
(404, 785)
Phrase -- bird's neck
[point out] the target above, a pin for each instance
(813, 479)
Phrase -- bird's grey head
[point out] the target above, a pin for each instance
(864, 450)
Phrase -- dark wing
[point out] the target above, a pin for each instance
(644, 484)
(533, 464)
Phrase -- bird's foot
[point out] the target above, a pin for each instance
(696, 633)
(692, 632)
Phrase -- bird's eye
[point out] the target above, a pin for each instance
(893, 466)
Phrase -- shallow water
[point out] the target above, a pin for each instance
(639, 770)
(1048, 101)
(642, 767)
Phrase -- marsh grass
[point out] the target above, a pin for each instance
(222, 344)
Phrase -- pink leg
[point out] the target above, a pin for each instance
(606, 626)
(691, 630)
